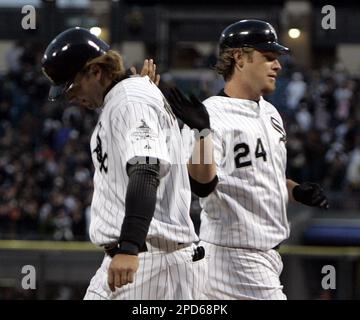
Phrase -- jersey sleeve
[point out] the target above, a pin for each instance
(219, 152)
(217, 136)
(188, 141)
(140, 135)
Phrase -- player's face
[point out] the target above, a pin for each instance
(261, 71)
(86, 91)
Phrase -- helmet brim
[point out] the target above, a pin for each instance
(57, 91)
(271, 46)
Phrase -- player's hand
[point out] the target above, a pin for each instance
(191, 111)
(311, 194)
(148, 69)
(122, 270)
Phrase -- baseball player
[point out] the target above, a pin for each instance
(141, 201)
(243, 219)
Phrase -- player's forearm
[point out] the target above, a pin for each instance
(140, 205)
(201, 166)
(290, 184)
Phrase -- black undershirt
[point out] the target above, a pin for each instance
(222, 93)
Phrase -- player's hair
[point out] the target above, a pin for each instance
(226, 62)
(111, 63)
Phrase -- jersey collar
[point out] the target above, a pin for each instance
(251, 104)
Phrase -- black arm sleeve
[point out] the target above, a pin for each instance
(202, 190)
(140, 204)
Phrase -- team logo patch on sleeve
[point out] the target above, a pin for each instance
(143, 132)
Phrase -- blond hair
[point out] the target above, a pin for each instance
(226, 62)
(111, 63)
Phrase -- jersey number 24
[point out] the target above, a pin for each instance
(242, 150)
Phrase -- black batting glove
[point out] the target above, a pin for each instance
(191, 111)
(311, 194)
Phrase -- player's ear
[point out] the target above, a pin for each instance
(238, 56)
(96, 70)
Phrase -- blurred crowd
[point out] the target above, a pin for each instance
(45, 161)
(321, 112)
(45, 164)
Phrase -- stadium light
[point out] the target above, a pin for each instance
(294, 33)
(96, 31)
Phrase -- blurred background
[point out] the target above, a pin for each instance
(45, 165)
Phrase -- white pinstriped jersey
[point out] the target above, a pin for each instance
(136, 122)
(248, 207)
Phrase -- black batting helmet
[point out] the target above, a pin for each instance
(256, 34)
(67, 54)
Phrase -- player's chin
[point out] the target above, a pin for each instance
(269, 88)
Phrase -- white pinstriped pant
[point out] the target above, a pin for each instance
(161, 276)
(239, 274)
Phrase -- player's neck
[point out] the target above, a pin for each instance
(111, 84)
(239, 90)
